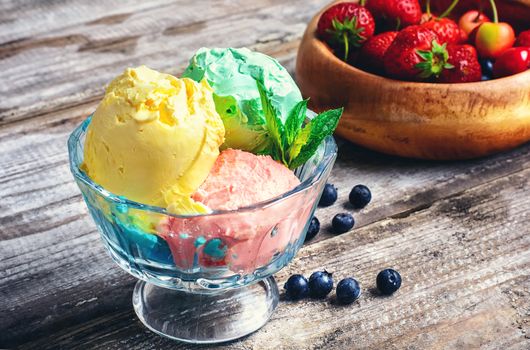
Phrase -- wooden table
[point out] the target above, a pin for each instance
(457, 231)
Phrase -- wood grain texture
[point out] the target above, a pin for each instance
(48, 237)
(456, 230)
(42, 71)
(466, 284)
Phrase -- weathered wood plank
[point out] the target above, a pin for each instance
(24, 19)
(71, 64)
(466, 285)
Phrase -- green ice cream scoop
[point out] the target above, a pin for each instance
(232, 73)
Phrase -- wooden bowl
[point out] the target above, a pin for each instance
(419, 120)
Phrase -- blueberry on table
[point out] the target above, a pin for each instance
(320, 284)
(360, 196)
(314, 228)
(388, 281)
(348, 290)
(329, 196)
(296, 287)
(342, 222)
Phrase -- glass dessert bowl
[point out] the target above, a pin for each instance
(204, 278)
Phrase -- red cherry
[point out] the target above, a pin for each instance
(472, 19)
(512, 61)
(523, 39)
(492, 39)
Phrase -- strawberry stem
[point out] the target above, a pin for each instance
(494, 9)
(449, 9)
(434, 61)
(362, 2)
(346, 46)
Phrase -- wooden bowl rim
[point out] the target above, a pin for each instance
(350, 70)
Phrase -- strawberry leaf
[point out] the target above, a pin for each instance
(346, 34)
(434, 61)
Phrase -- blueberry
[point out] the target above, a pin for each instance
(487, 68)
(348, 290)
(320, 284)
(314, 227)
(342, 222)
(329, 196)
(388, 281)
(360, 196)
(296, 287)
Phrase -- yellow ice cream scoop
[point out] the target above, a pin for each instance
(153, 139)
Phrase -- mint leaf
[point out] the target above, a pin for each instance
(290, 143)
(321, 126)
(294, 121)
(299, 142)
(274, 124)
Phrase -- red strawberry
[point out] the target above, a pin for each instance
(399, 12)
(345, 24)
(446, 29)
(464, 38)
(373, 51)
(415, 55)
(523, 39)
(466, 67)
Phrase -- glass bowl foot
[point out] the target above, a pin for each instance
(205, 318)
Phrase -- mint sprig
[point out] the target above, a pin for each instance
(293, 144)
(320, 127)
(274, 124)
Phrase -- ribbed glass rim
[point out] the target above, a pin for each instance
(330, 152)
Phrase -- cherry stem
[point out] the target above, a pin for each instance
(494, 9)
(346, 46)
(398, 24)
(449, 9)
(362, 2)
(428, 8)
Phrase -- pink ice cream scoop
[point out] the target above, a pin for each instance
(239, 179)
(241, 242)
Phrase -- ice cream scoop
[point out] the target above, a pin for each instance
(233, 74)
(154, 139)
(238, 179)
